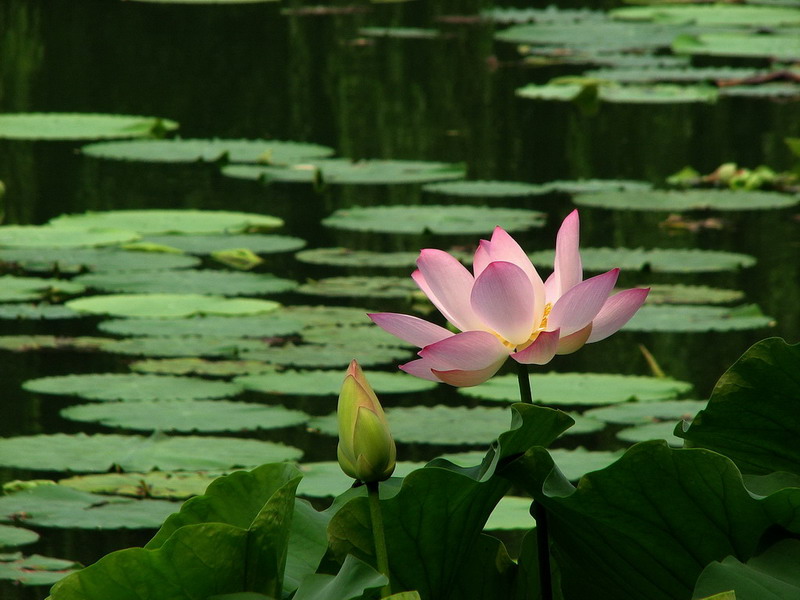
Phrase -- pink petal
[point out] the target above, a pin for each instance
(448, 285)
(580, 305)
(574, 342)
(617, 311)
(467, 351)
(482, 258)
(469, 378)
(410, 329)
(505, 248)
(504, 300)
(419, 368)
(541, 351)
(567, 268)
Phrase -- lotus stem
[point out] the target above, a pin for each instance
(381, 555)
(524, 384)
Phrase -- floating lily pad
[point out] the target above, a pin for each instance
(46, 260)
(635, 413)
(35, 569)
(508, 15)
(584, 425)
(213, 150)
(355, 336)
(80, 126)
(361, 287)
(11, 537)
(204, 1)
(170, 305)
(325, 479)
(768, 45)
(347, 172)
(452, 219)
(658, 260)
(186, 415)
(345, 257)
(691, 294)
(553, 92)
(36, 312)
(16, 289)
(188, 281)
(591, 186)
(574, 464)
(169, 485)
(671, 201)
(781, 90)
(46, 236)
(682, 318)
(487, 189)
(711, 14)
(580, 388)
(658, 93)
(208, 244)
(262, 326)
(405, 33)
(511, 512)
(162, 221)
(679, 75)
(131, 386)
(329, 383)
(187, 346)
(63, 507)
(651, 431)
(30, 343)
(98, 453)
(328, 355)
(312, 316)
(199, 366)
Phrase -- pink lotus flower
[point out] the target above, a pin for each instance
(505, 309)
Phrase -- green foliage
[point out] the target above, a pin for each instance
(223, 283)
(170, 305)
(80, 126)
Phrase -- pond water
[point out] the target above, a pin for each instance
(441, 89)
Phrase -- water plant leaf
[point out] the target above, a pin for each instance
(210, 244)
(635, 413)
(777, 91)
(200, 366)
(328, 355)
(657, 93)
(15, 289)
(674, 75)
(750, 416)
(47, 236)
(31, 343)
(486, 189)
(210, 150)
(69, 260)
(35, 569)
(163, 221)
(328, 383)
(580, 388)
(345, 257)
(312, 316)
(351, 582)
(131, 386)
(690, 318)
(80, 126)
(452, 219)
(166, 485)
(711, 15)
(355, 286)
(98, 453)
(779, 46)
(169, 305)
(343, 171)
(651, 431)
(352, 335)
(187, 281)
(186, 415)
(273, 324)
(669, 200)
(325, 479)
(575, 463)
(36, 312)
(512, 512)
(186, 346)
(590, 186)
(11, 537)
(690, 294)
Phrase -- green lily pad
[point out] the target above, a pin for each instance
(162, 221)
(451, 219)
(658, 260)
(204, 1)
(131, 386)
(777, 91)
(670, 201)
(11, 537)
(343, 171)
(80, 126)
(170, 305)
(768, 45)
(651, 431)
(46, 236)
(635, 413)
(358, 287)
(512, 512)
(187, 346)
(675, 75)
(212, 150)
(551, 92)
(62, 507)
(353, 335)
(68, 260)
(328, 383)
(551, 14)
(574, 464)
(99, 453)
(580, 388)
(657, 93)
(711, 14)
(273, 324)
(16, 289)
(487, 189)
(583, 425)
(208, 244)
(328, 355)
(165, 485)
(36, 312)
(200, 366)
(312, 316)
(186, 415)
(687, 318)
(30, 343)
(690, 294)
(35, 569)
(325, 479)
(591, 186)
(345, 257)
(188, 281)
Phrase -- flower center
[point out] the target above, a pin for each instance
(542, 326)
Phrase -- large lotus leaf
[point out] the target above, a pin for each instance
(36, 312)
(163, 221)
(329, 383)
(690, 294)
(752, 415)
(345, 257)
(671, 201)
(80, 126)
(223, 283)
(31, 343)
(99, 453)
(658, 260)
(711, 14)
(170, 305)
(210, 150)
(590, 186)
(312, 316)
(15, 289)
(166, 485)
(345, 171)
(367, 287)
(46, 236)
(328, 355)
(687, 318)
(207, 244)
(131, 386)
(443, 498)
(35, 569)
(200, 366)
(452, 219)
(262, 326)
(647, 525)
(16, 536)
(350, 583)
(324, 479)
(580, 388)
(651, 431)
(639, 413)
(356, 336)
(185, 346)
(186, 415)
(487, 189)
(70, 260)
(779, 46)
(676, 75)
(62, 507)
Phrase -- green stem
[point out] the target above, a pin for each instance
(381, 555)
(524, 384)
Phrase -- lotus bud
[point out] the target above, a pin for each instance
(366, 449)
